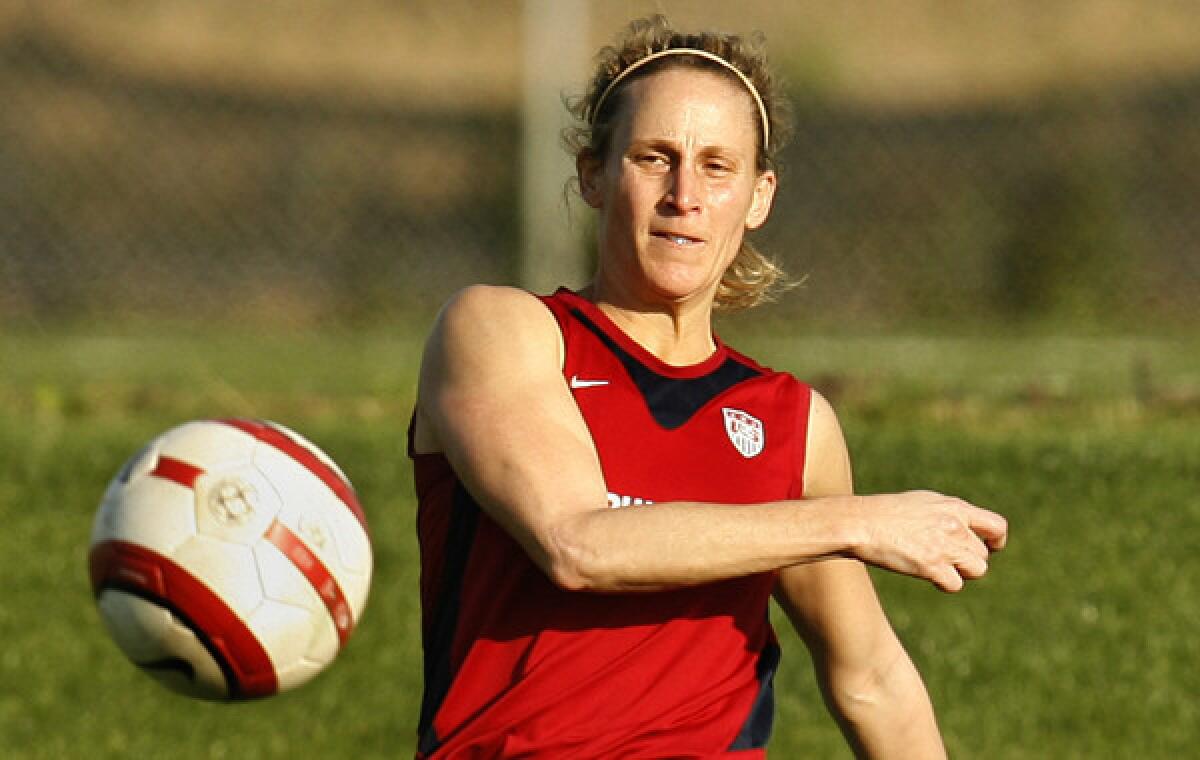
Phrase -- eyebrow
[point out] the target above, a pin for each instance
(671, 146)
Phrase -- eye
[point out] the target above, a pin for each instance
(652, 159)
(718, 167)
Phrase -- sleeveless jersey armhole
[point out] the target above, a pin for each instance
(561, 313)
(803, 411)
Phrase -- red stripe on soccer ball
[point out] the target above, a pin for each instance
(177, 471)
(306, 458)
(317, 574)
(119, 564)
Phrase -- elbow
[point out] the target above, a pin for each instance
(570, 563)
(862, 696)
(567, 577)
(863, 692)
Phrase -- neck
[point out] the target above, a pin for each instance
(678, 333)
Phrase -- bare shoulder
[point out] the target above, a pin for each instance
(496, 308)
(488, 341)
(490, 297)
(827, 462)
(484, 323)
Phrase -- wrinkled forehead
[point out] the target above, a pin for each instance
(686, 102)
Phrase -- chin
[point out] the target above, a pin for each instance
(678, 280)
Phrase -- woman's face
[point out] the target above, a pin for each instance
(679, 187)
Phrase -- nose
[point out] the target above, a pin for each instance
(683, 191)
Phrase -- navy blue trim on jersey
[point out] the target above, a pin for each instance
(438, 641)
(673, 400)
(756, 731)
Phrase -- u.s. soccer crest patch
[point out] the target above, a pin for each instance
(745, 432)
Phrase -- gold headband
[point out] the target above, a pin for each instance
(762, 109)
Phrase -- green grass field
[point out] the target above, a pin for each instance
(1080, 644)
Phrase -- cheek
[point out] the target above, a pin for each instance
(731, 197)
(622, 209)
(721, 196)
(732, 207)
(633, 202)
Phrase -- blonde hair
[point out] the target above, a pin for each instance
(753, 277)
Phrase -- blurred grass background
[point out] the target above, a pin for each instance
(223, 208)
(1079, 644)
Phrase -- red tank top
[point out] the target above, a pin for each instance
(516, 667)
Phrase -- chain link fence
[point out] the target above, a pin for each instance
(1079, 208)
(130, 193)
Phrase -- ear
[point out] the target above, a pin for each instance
(764, 196)
(590, 171)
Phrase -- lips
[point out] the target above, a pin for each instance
(676, 238)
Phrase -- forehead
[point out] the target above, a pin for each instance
(689, 102)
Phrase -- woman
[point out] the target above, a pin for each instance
(609, 495)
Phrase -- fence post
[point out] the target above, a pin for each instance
(556, 49)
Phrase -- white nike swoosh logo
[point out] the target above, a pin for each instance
(577, 383)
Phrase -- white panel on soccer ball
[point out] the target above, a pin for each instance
(210, 445)
(282, 581)
(327, 527)
(149, 634)
(149, 511)
(350, 540)
(299, 488)
(136, 467)
(293, 637)
(298, 673)
(333, 531)
(228, 569)
(314, 511)
(353, 548)
(308, 445)
(313, 523)
(235, 504)
(349, 555)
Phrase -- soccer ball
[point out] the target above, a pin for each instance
(230, 559)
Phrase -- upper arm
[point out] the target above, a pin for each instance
(827, 469)
(832, 603)
(493, 399)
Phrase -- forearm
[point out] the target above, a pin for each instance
(646, 548)
(886, 713)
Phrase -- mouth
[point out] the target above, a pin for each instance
(676, 238)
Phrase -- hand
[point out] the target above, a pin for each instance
(929, 535)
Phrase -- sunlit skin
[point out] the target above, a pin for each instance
(676, 195)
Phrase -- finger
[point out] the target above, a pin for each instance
(976, 547)
(988, 525)
(971, 567)
(946, 578)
